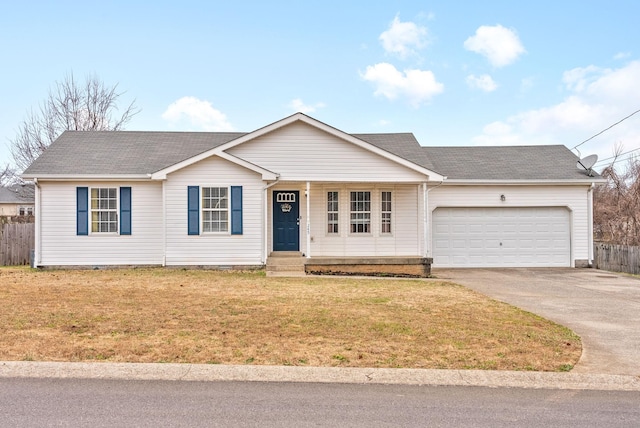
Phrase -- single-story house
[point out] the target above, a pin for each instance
(300, 186)
(17, 200)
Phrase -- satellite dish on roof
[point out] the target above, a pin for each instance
(587, 163)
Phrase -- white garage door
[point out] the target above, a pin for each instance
(501, 237)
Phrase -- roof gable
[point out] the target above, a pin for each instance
(300, 117)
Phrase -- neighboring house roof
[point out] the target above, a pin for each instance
(138, 153)
(17, 194)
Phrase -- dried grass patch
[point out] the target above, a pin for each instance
(195, 316)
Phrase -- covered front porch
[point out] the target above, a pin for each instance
(347, 229)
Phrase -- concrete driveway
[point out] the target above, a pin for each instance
(602, 307)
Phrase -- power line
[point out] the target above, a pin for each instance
(617, 156)
(605, 130)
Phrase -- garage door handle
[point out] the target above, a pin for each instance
(501, 244)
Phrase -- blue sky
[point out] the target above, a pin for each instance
(451, 72)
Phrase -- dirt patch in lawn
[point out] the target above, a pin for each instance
(195, 316)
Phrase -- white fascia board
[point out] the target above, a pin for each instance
(432, 175)
(266, 174)
(162, 174)
(92, 177)
(570, 182)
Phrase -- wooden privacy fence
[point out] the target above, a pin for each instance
(617, 258)
(16, 242)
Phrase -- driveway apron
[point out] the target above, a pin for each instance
(602, 307)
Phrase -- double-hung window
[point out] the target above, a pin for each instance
(215, 209)
(332, 212)
(385, 212)
(360, 212)
(104, 209)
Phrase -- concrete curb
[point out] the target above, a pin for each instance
(206, 373)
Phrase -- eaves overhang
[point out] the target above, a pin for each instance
(565, 182)
(92, 177)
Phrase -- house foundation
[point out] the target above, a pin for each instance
(417, 267)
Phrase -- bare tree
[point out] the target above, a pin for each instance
(6, 175)
(91, 106)
(617, 204)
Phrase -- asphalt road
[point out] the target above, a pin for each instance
(28, 402)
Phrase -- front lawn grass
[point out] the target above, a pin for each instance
(200, 316)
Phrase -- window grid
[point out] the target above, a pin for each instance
(360, 212)
(332, 212)
(215, 209)
(104, 210)
(385, 212)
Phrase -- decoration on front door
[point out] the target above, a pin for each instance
(285, 208)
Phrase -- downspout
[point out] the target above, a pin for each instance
(37, 240)
(590, 222)
(308, 226)
(265, 216)
(164, 223)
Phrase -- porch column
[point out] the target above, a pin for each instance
(425, 219)
(308, 195)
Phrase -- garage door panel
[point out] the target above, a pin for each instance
(495, 237)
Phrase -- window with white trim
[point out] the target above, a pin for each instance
(332, 212)
(360, 212)
(215, 209)
(104, 210)
(385, 212)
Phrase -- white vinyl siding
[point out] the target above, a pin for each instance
(572, 198)
(300, 152)
(61, 246)
(214, 249)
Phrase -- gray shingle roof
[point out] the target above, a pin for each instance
(17, 194)
(123, 152)
(552, 162)
(140, 153)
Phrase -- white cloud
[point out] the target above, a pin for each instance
(484, 82)
(596, 98)
(193, 114)
(622, 55)
(500, 45)
(403, 38)
(418, 86)
(298, 106)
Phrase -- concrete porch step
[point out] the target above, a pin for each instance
(285, 263)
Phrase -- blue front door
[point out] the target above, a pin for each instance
(286, 220)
